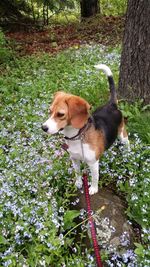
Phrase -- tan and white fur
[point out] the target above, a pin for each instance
(70, 113)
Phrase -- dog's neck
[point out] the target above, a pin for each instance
(69, 131)
(75, 134)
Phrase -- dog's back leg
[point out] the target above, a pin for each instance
(122, 134)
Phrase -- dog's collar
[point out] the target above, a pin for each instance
(81, 131)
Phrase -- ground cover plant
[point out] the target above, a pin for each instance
(37, 179)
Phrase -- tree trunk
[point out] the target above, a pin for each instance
(33, 11)
(44, 15)
(134, 81)
(89, 8)
(47, 18)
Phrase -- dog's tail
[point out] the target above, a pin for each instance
(107, 71)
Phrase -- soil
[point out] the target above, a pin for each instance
(107, 30)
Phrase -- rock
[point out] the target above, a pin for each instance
(114, 231)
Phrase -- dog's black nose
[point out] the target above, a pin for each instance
(44, 128)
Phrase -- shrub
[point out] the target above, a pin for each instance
(113, 7)
(5, 52)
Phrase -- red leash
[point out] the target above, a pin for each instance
(88, 203)
(92, 226)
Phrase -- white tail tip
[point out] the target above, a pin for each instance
(105, 68)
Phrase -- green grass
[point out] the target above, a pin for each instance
(138, 119)
(113, 7)
(37, 178)
(66, 17)
(141, 125)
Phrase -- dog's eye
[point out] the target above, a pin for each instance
(60, 115)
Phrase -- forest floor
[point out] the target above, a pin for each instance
(38, 203)
(107, 30)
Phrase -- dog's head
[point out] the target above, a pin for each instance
(66, 109)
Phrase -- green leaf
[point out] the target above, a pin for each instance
(69, 216)
(139, 250)
(3, 240)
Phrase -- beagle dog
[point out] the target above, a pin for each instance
(88, 136)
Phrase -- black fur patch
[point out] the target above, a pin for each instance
(112, 89)
(108, 119)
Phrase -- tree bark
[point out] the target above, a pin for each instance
(134, 80)
(33, 11)
(89, 8)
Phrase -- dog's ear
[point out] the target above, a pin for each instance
(78, 110)
(59, 93)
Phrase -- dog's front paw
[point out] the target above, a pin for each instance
(93, 190)
(78, 183)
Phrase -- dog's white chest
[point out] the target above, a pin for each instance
(81, 152)
(76, 149)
